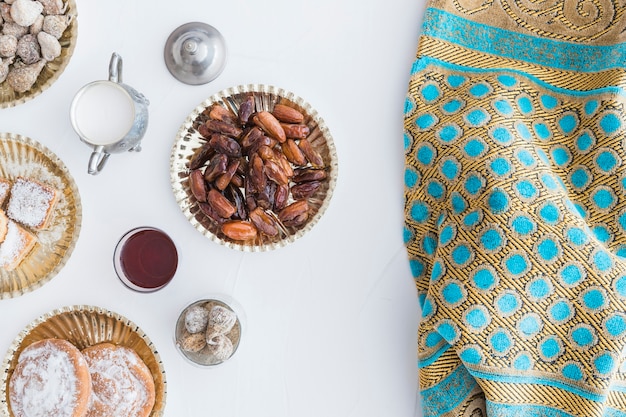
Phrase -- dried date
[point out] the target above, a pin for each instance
(223, 128)
(275, 173)
(263, 222)
(309, 174)
(236, 197)
(287, 114)
(223, 180)
(270, 124)
(201, 156)
(281, 197)
(220, 113)
(197, 185)
(239, 230)
(305, 189)
(208, 211)
(293, 153)
(217, 166)
(310, 153)
(295, 131)
(295, 214)
(246, 109)
(220, 204)
(226, 145)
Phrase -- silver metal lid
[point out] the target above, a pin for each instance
(195, 53)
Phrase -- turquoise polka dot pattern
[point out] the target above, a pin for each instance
(550, 348)
(462, 254)
(573, 371)
(539, 289)
(448, 330)
(508, 303)
(501, 167)
(594, 299)
(453, 106)
(523, 362)
(500, 341)
(529, 325)
(515, 228)
(476, 117)
(522, 224)
(485, 278)
(477, 318)
(449, 133)
(516, 264)
(450, 169)
(561, 311)
(453, 293)
(604, 363)
(426, 121)
(472, 354)
(572, 274)
(430, 92)
(614, 326)
(475, 148)
(583, 337)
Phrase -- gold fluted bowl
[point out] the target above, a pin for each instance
(84, 326)
(188, 140)
(22, 156)
(52, 70)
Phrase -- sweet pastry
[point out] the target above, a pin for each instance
(122, 383)
(5, 186)
(4, 226)
(17, 244)
(31, 203)
(51, 378)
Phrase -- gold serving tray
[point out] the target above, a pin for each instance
(53, 69)
(85, 326)
(22, 156)
(188, 140)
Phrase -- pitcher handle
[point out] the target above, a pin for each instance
(115, 68)
(97, 160)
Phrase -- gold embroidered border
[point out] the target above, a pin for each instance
(433, 374)
(571, 80)
(544, 395)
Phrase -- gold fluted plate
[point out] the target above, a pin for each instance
(22, 156)
(84, 326)
(53, 69)
(188, 140)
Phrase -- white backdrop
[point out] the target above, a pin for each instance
(332, 318)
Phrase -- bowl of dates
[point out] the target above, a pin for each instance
(253, 167)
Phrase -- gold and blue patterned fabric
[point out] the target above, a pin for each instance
(515, 207)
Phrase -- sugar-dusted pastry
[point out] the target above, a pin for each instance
(4, 226)
(17, 244)
(122, 383)
(31, 203)
(5, 186)
(51, 379)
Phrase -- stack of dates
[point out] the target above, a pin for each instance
(256, 170)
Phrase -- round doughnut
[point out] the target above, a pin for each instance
(51, 378)
(122, 384)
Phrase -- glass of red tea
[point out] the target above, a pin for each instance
(145, 259)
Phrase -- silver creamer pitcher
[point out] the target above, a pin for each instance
(109, 116)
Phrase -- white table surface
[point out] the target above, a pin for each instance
(332, 318)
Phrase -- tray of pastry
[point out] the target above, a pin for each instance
(40, 215)
(107, 364)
